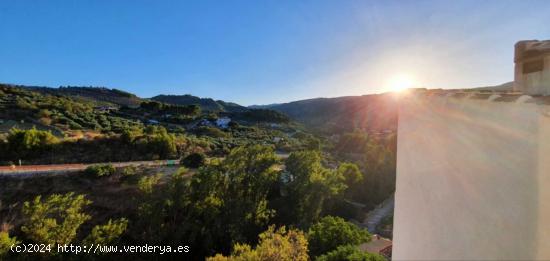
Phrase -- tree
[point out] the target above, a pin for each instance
(308, 185)
(5, 243)
(101, 170)
(265, 115)
(273, 245)
(331, 232)
(231, 198)
(349, 253)
(249, 176)
(129, 170)
(351, 173)
(194, 160)
(353, 142)
(152, 106)
(211, 132)
(128, 136)
(25, 143)
(56, 219)
(147, 183)
(162, 144)
(107, 233)
(352, 176)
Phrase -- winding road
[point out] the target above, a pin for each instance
(375, 216)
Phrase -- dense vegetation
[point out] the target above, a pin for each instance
(261, 187)
(205, 104)
(58, 113)
(44, 126)
(225, 208)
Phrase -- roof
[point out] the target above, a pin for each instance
(531, 48)
(490, 96)
(376, 245)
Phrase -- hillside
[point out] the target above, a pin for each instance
(375, 112)
(502, 87)
(98, 94)
(206, 104)
(90, 129)
(233, 161)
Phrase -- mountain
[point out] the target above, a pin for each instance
(376, 112)
(97, 94)
(206, 104)
(503, 87)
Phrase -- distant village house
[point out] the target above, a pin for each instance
(223, 122)
(378, 245)
(105, 109)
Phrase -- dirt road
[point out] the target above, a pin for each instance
(58, 169)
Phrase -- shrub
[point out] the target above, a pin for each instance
(101, 170)
(332, 232)
(211, 131)
(194, 160)
(351, 253)
(146, 184)
(54, 220)
(5, 243)
(25, 143)
(107, 233)
(129, 170)
(280, 244)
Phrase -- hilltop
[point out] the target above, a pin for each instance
(96, 94)
(113, 96)
(206, 104)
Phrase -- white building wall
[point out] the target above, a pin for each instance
(536, 83)
(473, 180)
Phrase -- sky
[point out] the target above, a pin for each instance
(262, 52)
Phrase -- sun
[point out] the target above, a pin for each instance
(400, 82)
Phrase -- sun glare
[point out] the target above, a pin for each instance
(401, 82)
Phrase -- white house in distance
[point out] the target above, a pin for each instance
(223, 122)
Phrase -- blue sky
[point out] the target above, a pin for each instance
(258, 52)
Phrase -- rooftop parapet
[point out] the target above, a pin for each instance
(525, 50)
(532, 67)
(483, 95)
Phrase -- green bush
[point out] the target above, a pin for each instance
(129, 170)
(101, 170)
(5, 243)
(26, 143)
(107, 233)
(194, 160)
(331, 232)
(349, 253)
(56, 219)
(212, 132)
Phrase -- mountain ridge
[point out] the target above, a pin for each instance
(206, 104)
